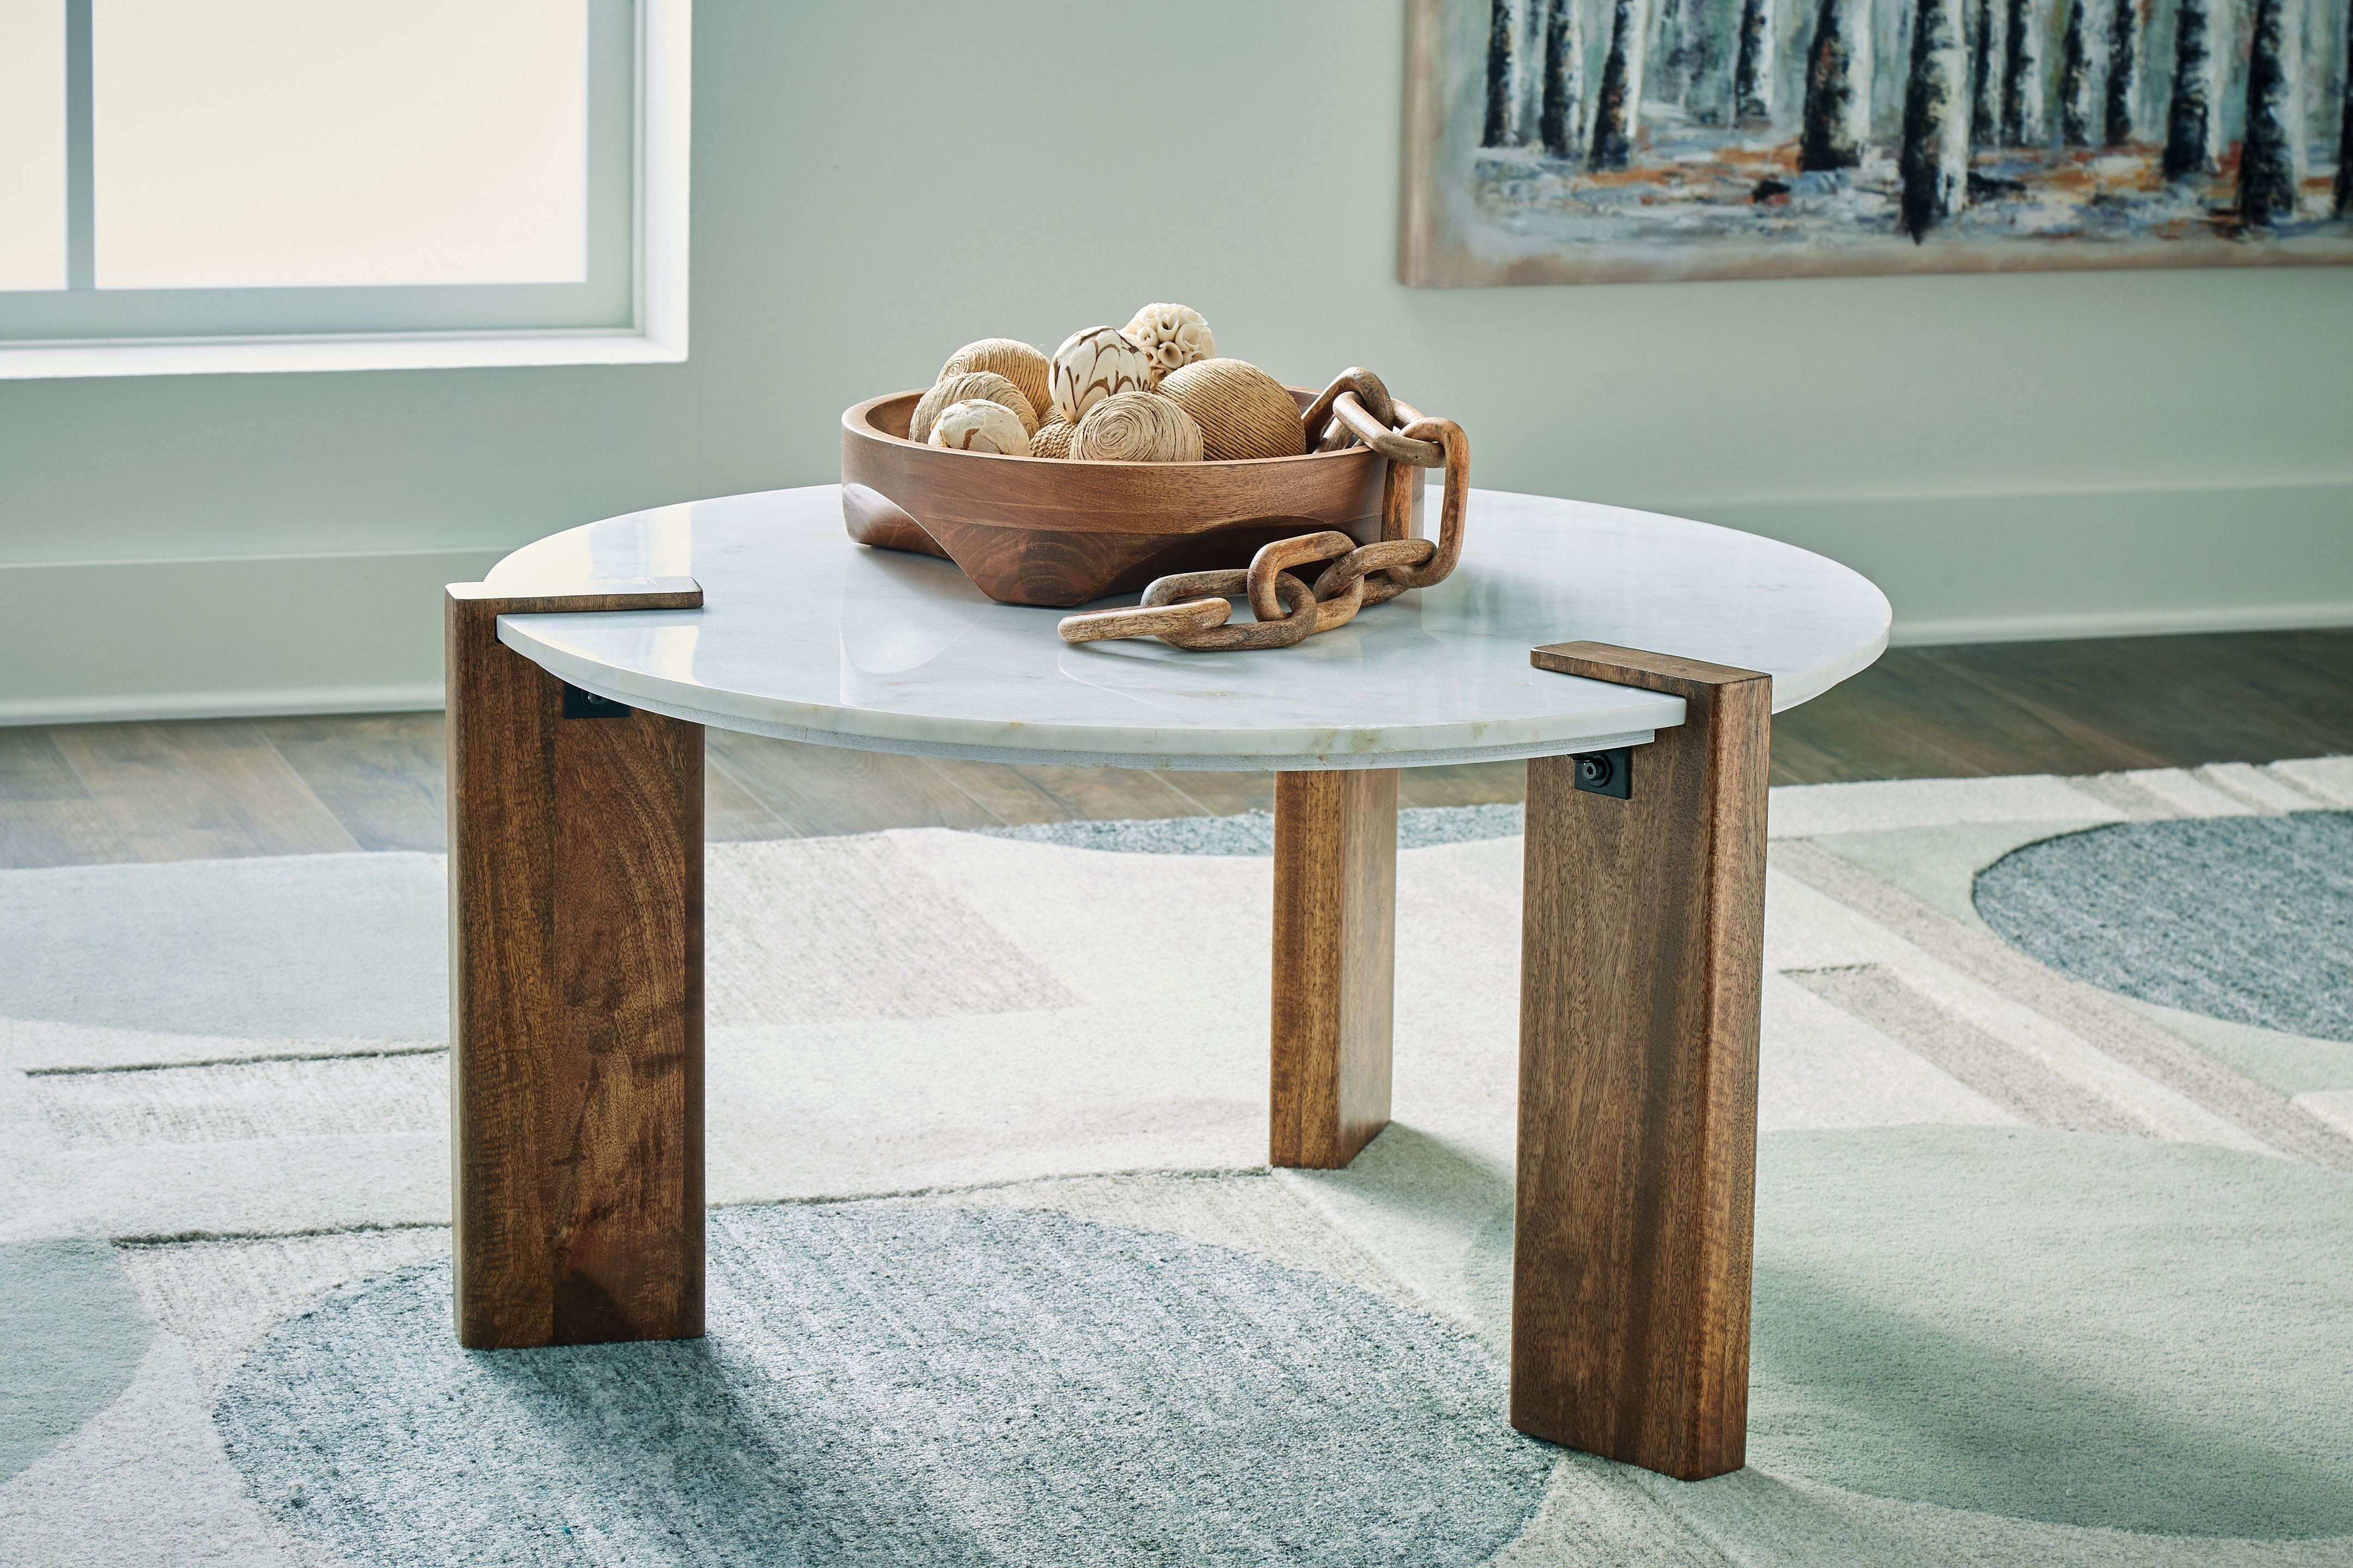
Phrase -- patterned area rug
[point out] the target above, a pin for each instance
(2052, 1257)
(2244, 918)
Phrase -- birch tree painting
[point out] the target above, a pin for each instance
(1564, 141)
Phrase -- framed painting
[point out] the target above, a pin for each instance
(1605, 141)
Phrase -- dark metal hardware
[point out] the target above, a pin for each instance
(1608, 773)
(579, 704)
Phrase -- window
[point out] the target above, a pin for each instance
(325, 184)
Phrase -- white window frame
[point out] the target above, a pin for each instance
(654, 333)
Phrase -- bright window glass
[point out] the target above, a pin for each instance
(305, 169)
(311, 144)
(32, 144)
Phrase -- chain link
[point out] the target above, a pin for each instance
(1191, 610)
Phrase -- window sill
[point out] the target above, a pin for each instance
(251, 356)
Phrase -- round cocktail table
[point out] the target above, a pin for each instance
(1635, 659)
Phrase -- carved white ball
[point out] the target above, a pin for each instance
(1173, 335)
(1092, 365)
(977, 425)
(962, 387)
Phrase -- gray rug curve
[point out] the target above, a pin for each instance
(2247, 919)
(71, 1335)
(2056, 1326)
(908, 1386)
(1252, 832)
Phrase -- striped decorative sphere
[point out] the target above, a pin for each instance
(1052, 440)
(1242, 411)
(1137, 427)
(1016, 361)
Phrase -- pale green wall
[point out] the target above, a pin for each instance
(875, 184)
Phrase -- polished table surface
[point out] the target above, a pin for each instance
(805, 635)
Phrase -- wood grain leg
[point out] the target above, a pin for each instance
(1334, 963)
(575, 932)
(1642, 967)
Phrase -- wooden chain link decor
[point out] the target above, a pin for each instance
(1189, 609)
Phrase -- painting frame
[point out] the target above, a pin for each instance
(1455, 231)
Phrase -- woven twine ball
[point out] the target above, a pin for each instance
(1014, 360)
(1136, 428)
(1052, 440)
(1095, 365)
(977, 425)
(1242, 411)
(984, 384)
(1173, 335)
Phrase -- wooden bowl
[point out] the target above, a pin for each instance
(1049, 531)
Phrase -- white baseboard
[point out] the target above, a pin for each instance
(2121, 624)
(2083, 563)
(362, 633)
(92, 641)
(251, 703)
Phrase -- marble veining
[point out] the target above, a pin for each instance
(806, 634)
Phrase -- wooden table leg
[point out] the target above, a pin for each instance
(576, 935)
(1642, 967)
(1334, 963)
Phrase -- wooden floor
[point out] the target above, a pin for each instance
(86, 793)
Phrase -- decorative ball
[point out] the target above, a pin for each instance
(1052, 440)
(1137, 427)
(1014, 360)
(1095, 365)
(1173, 335)
(1242, 411)
(977, 425)
(962, 387)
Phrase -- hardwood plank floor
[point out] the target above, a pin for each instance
(2084, 706)
(84, 794)
(48, 815)
(199, 789)
(731, 813)
(1463, 783)
(1223, 794)
(819, 790)
(1040, 793)
(381, 775)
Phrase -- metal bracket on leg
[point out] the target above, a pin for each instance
(579, 704)
(1609, 772)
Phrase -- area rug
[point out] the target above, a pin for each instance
(2054, 1244)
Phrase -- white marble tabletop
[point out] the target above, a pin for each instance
(805, 635)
